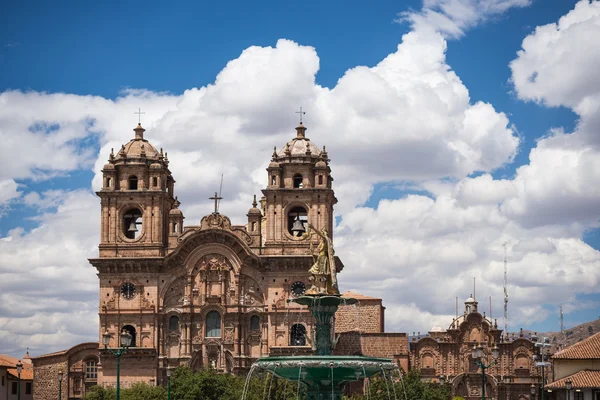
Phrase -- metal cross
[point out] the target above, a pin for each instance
(216, 198)
(301, 113)
(139, 113)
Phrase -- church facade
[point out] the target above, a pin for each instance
(213, 294)
(445, 356)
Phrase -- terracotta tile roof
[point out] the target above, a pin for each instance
(585, 379)
(586, 349)
(26, 373)
(8, 360)
(359, 296)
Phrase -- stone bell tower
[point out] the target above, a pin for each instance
(136, 197)
(298, 193)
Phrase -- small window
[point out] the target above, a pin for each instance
(155, 181)
(213, 324)
(132, 223)
(107, 182)
(298, 335)
(578, 396)
(273, 180)
(14, 388)
(298, 181)
(28, 388)
(320, 179)
(91, 369)
(133, 182)
(173, 323)
(254, 227)
(175, 227)
(254, 323)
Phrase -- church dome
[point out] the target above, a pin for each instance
(273, 164)
(109, 166)
(298, 146)
(470, 300)
(155, 165)
(321, 164)
(139, 146)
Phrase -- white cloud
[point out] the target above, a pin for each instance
(453, 17)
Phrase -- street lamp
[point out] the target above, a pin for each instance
(125, 342)
(478, 354)
(19, 369)
(60, 378)
(168, 383)
(533, 389)
(568, 386)
(545, 343)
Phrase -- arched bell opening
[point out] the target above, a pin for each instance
(297, 220)
(132, 223)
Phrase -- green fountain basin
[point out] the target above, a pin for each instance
(318, 371)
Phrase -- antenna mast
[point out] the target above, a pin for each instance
(505, 292)
(220, 191)
(562, 327)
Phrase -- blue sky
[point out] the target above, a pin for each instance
(111, 49)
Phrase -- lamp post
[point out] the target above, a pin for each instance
(60, 378)
(19, 369)
(533, 389)
(568, 386)
(168, 383)
(545, 343)
(478, 355)
(125, 342)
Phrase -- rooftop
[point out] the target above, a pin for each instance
(586, 349)
(586, 379)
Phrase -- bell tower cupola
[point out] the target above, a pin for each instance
(137, 196)
(299, 192)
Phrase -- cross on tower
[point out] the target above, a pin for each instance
(216, 198)
(139, 113)
(301, 113)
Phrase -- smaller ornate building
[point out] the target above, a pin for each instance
(446, 355)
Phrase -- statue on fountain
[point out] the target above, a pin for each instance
(324, 274)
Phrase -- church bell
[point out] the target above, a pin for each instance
(132, 227)
(298, 228)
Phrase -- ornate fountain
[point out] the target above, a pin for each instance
(324, 375)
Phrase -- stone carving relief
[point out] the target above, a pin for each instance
(228, 335)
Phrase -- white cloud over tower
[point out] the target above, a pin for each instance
(407, 119)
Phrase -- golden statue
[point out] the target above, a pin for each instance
(323, 270)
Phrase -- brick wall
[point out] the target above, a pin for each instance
(366, 316)
(384, 345)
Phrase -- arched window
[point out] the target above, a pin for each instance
(133, 182)
(107, 182)
(254, 323)
(320, 179)
(298, 335)
(91, 369)
(132, 223)
(131, 330)
(213, 324)
(174, 323)
(297, 219)
(273, 180)
(298, 181)
(155, 181)
(175, 227)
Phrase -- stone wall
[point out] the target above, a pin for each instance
(45, 372)
(366, 316)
